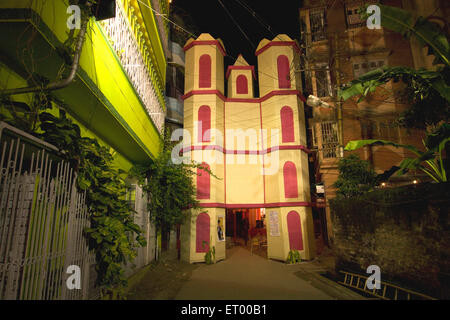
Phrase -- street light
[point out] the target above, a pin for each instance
(314, 101)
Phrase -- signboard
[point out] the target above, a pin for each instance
(220, 229)
(320, 188)
(274, 224)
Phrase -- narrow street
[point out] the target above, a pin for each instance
(241, 276)
(175, 149)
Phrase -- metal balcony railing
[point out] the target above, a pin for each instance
(128, 49)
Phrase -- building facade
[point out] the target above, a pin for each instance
(117, 96)
(175, 67)
(255, 146)
(339, 48)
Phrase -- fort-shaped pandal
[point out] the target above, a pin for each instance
(281, 195)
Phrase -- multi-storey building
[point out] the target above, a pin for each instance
(175, 68)
(108, 74)
(117, 95)
(339, 47)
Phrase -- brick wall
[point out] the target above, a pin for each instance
(405, 231)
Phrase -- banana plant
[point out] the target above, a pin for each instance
(429, 161)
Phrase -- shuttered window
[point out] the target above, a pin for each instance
(287, 124)
(204, 125)
(284, 78)
(205, 71)
(203, 227)
(241, 84)
(290, 180)
(203, 182)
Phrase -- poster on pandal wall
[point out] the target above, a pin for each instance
(220, 228)
(274, 224)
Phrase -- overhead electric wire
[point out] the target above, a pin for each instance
(265, 25)
(237, 24)
(195, 36)
(254, 14)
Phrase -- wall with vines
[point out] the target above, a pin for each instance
(113, 235)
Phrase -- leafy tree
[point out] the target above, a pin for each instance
(428, 91)
(170, 187)
(355, 177)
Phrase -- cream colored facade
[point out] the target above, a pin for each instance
(256, 147)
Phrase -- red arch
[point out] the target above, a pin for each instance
(203, 182)
(287, 124)
(290, 180)
(205, 71)
(204, 126)
(202, 232)
(295, 231)
(284, 77)
(241, 84)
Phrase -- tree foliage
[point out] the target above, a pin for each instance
(170, 186)
(355, 177)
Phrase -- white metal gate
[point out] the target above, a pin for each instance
(42, 217)
(138, 200)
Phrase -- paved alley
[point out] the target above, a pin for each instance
(244, 276)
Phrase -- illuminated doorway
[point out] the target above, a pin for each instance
(246, 227)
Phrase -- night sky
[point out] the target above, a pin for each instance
(210, 17)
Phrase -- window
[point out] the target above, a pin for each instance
(205, 71)
(287, 124)
(363, 67)
(317, 22)
(323, 81)
(204, 125)
(284, 78)
(241, 84)
(203, 182)
(353, 16)
(202, 238)
(290, 180)
(330, 140)
(294, 231)
(387, 130)
(352, 13)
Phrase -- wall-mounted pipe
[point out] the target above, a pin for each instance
(60, 83)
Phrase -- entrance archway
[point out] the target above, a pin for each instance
(246, 227)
